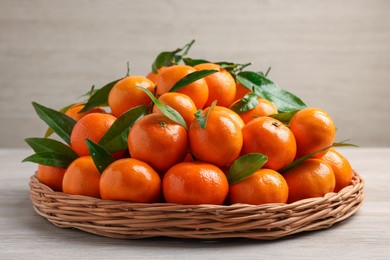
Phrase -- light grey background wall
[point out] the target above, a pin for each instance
(334, 54)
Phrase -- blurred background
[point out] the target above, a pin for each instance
(333, 54)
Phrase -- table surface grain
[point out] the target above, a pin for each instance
(26, 235)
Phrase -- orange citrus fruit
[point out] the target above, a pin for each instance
(93, 127)
(51, 176)
(158, 141)
(182, 103)
(241, 91)
(219, 143)
(130, 180)
(125, 94)
(313, 129)
(73, 111)
(82, 178)
(264, 186)
(309, 179)
(198, 91)
(263, 108)
(272, 138)
(341, 167)
(222, 86)
(193, 183)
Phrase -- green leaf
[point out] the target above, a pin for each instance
(165, 109)
(40, 145)
(245, 166)
(265, 88)
(50, 159)
(202, 117)
(99, 96)
(233, 68)
(115, 139)
(169, 58)
(248, 102)
(100, 156)
(190, 78)
(61, 124)
(49, 130)
(194, 62)
(284, 117)
(310, 155)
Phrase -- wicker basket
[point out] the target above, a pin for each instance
(126, 220)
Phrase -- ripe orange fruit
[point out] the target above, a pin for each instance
(264, 186)
(193, 183)
(158, 141)
(272, 138)
(198, 91)
(152, 77)
(92, 126)
(51, 176)
(222, 86)
(82, 178)
(313, 129)
(130, 180)
(241, 91)
(341, 167)
(73, 111)
(125, 94)
(182, 103)
(309, 179)
(263, 108)
(219, 143)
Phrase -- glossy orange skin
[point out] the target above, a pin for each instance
(158, 141)
(125, 94)
(219, 143)
(309, 179)
(264, 186)
(194, 183)
(130, 180)
(51, 176)
(92, 126)
(272, 138)
(341, 168)
(222, 86)
(313, 129)
(241, 91)
(263, 108)
(73, 111)
(152, 77)
(82, 178)
(198, 91)
(230, 113)
(182, 103)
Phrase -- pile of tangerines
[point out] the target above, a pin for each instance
(194, 133)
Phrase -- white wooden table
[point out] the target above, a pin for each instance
(26, 235)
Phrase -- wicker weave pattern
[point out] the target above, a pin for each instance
(126, 220)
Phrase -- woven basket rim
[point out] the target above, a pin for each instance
(121, 219)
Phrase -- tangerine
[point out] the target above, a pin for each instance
(194, 183)
(263, 108)
(51, 176)
(130, 180)
(272, 138)
(241, 91)
(73, 111)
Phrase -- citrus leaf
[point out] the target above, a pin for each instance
(202, 117)
(165, 109)
(50, 159)
(245, 166)
(284, 117)
(40, 145)
(190, 78)
(99, 96)
(248, 102)
(49, 130)
(285, 101)
(169, 58)
(194, 62)
(61, 124)
(115, 139)
(310, 155)
(100, 156)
